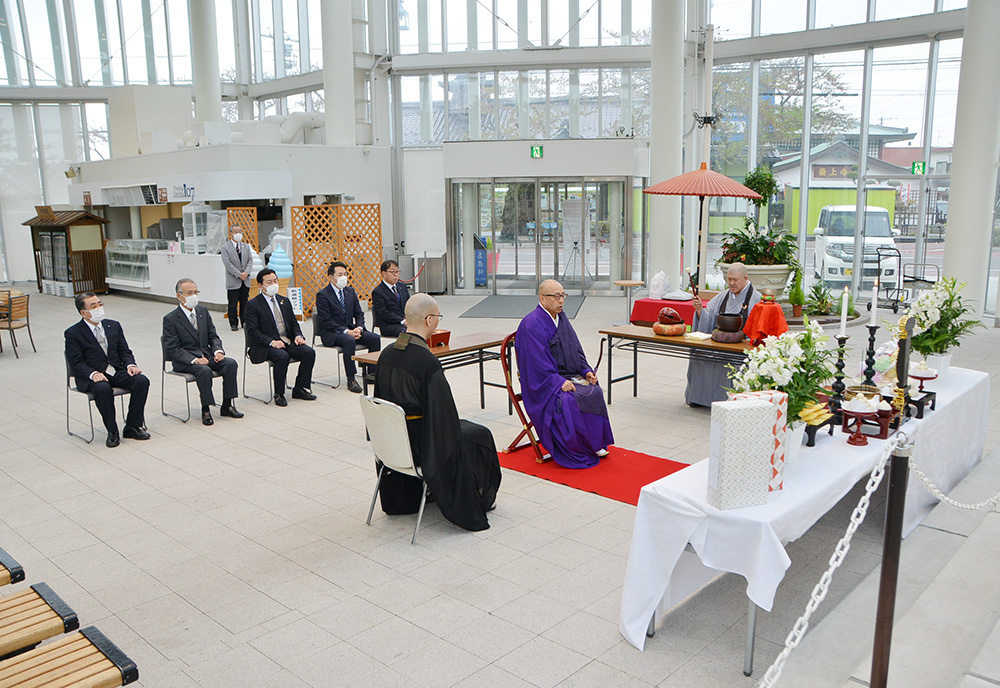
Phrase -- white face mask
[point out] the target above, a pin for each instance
(341, 282)
(271, 289)
(191, 301)
(97, 314)
(237, 237)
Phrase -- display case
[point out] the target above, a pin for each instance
(128, 260)
(205, 230)
(69, 253)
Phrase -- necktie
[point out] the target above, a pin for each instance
(194, 320)
(278, 319)
(239, 254)
(103, 341)
(343, 304)
(395, 293)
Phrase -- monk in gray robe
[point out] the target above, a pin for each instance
(706, 379)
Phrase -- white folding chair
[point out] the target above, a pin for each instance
(71, 387)
(188, 379)
(386, 424)
(321, 345)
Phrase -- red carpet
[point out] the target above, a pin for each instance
(620, 475)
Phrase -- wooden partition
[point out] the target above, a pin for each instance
(246, 218)
(322, 234)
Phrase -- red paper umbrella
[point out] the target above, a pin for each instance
(701, 182)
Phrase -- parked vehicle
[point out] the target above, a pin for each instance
(834, 255)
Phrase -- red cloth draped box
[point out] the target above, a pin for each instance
(780, 431)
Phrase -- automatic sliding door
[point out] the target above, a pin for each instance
(515, 234)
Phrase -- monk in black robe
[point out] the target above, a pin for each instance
(458, 459)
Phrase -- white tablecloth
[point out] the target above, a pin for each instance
(672, 512)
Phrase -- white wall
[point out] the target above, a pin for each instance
(424, 199)
(569, 158)
(138, 109)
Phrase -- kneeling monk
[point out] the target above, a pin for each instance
(570, 416)
(458, 459)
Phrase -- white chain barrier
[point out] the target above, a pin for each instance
(819, 592)
(933, 489)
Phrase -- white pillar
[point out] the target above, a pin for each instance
(667, 122)
(338, 72)
(205, 61)
(616, 216)
(977, 149)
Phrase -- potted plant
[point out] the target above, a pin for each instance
(820, 301)
(796, 363)
(769, 254)
(940, 314)
(797, 297)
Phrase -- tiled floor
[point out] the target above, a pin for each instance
(238, 554)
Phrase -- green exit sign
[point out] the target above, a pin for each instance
(536, 151)
(918, 167)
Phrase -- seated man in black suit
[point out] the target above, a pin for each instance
(273, 334)
(389, 301)
(100, 360)
(192, 344)
(341, 321)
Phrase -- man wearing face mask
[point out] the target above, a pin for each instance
(273, 334)
(192, 344)
(236, 258)
(341, 321)
(100, 360)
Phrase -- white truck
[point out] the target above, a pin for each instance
(834, 249)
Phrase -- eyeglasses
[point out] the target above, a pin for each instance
(559, 296)
(190, 293)
(434, 315)
(392, 272)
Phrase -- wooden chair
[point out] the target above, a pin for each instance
(70, 387)
(14, 316)
(10, 570)
(188, 379)
(31, 616)
(86, 659)
(315, 336)
(508, 360)
(386, 424)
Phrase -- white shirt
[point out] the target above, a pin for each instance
(555, 318)
(188, 313)
(392, 288)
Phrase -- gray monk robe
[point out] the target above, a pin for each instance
(707, 380)
(458, 459)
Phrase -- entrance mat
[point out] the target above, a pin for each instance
(620, 475)
(517, 307)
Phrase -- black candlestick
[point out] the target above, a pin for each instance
(870, 358)
(838, 378)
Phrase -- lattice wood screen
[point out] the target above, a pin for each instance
(246, 218)
(322, 234)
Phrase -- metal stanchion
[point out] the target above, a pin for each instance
(899, 469)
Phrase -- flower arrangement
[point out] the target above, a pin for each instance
(797, 363)
(755, 245)
(940, 321)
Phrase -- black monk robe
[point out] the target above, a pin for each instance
(457, 458)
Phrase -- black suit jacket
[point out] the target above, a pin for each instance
(333, 319)
(85, 355)
(260, 328)
(386, 309)
(182, 343)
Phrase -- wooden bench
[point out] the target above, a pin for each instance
(10, 570)
(31, 616)
(86, 659)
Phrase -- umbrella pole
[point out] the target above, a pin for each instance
(697, 256)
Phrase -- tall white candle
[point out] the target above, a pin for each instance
(843, 313)
(875, 302)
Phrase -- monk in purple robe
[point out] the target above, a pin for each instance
(559, 388)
